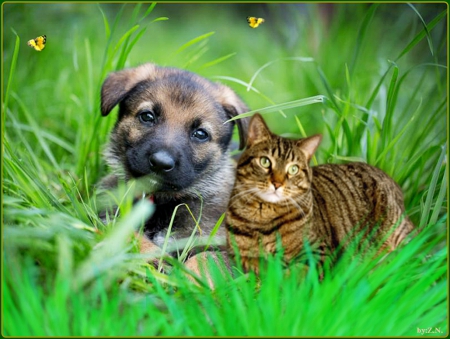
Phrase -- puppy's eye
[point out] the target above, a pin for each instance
(147, 117)
(200, 135)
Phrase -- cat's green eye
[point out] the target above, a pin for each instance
(293, 170)
(265, 162)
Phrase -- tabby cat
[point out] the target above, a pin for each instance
(278, 199)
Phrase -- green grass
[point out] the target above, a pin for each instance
(372, 82)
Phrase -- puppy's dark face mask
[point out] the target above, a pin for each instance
(171, 126)
(173, 131)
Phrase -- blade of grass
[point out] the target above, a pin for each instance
(124, 37)
(238, 81)
(287, 105)
(387, 121)
(435, 118)
(148, 11)
(329, 90)
(418, 87)
(127, 47)
(394, 141)
(441, 197)
(218, 60)
(427, 32)
(162, 18)
(430, 194)
(65, 257)
(196, 53)
(105, 23)
(194, 41)
(102, 258)
(422, 34)
(28, 182)
(245, 84)
(37, 131)
(191, 241)
(252, 80)
(90, 82)
(377, 88)
(107, 55)
(214, 231)
(12, 71)
(135, 13)
(31, 154)
(362, 33)
(46, 135)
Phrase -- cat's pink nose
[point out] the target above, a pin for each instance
(276, 184)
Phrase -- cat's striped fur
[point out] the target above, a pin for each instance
(278, 195)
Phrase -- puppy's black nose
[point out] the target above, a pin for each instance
(162, 162)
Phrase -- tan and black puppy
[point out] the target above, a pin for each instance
(171, 134)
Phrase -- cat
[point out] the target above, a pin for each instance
(278, 199)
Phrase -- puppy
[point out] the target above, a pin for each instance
(171, 135)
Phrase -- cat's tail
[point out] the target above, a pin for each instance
(402, 234)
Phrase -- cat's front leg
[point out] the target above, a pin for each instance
(251, 264)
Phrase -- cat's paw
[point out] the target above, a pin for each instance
(251, 264)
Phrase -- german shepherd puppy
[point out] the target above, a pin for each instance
(172, 136)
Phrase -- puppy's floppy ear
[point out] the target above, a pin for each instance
(118, 84)
(234, 106)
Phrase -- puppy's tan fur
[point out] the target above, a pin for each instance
(199, 172)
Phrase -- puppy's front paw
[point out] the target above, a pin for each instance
(146, 246)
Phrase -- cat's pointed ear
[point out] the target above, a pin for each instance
(309, 145)
(257, 130)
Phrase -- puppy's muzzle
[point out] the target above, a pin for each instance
(161, 162)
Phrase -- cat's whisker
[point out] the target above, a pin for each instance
(240, 185)
(302, 211)
(251, 196)
(248, 194)
(312, 189)
(245, 187)
(240, 194)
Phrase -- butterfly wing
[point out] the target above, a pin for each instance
(39, 43)
(254, 22)
(31, 43)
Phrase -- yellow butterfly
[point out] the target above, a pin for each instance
(39, 43)
(254, 22)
